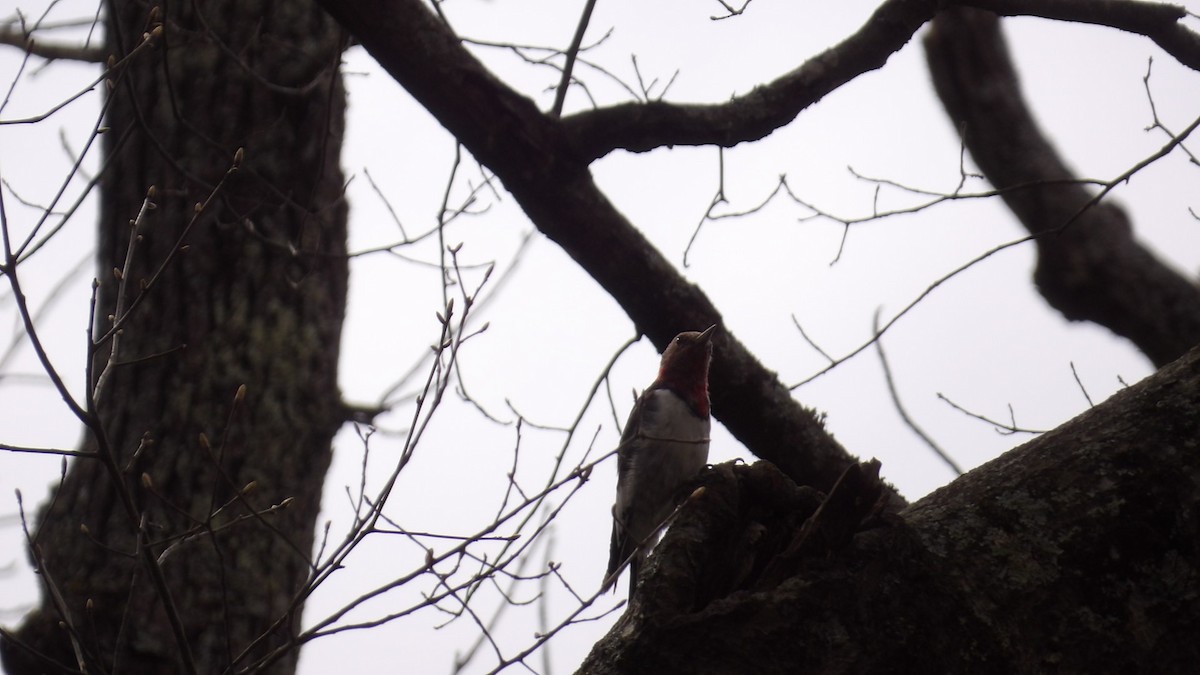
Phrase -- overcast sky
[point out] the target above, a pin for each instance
(984, 340)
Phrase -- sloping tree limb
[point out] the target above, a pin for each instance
(1090, 266)
(640, 127)
(544, 163)
(533, 154)
(985, 575)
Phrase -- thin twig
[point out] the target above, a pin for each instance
(1001, 428)
(1083, 389)
(122, 275)
(908, 420)
(560, 96)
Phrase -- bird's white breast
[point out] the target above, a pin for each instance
(670, 445)
(669, 418)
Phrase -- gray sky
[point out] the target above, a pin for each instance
(985, 339)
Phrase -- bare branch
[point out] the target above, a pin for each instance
(641, 127)
(1162, 23)
(730, 10)
(50, 51)
(1002, 428)
(540, 163)
(908, 420)
(572, 52)
(1090, 265)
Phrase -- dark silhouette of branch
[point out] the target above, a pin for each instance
(536, 158)
(904, 414)
(639, 127)
(1094, 269)
(564, 84)
(754, 115)
(1002, 428)
(1159, 22)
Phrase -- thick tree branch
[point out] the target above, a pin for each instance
(1076, 552)
(639, 127)
(1159, 22)
(532, 154)
(1094, 269)
(544, 163)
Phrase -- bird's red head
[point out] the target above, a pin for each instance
(684, 367)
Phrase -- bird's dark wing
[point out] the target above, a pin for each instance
(645, 411)
(622, 545)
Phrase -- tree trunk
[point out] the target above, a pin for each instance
(254, 297)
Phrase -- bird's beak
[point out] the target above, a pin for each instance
(706, 336)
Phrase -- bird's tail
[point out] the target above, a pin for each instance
(621, 551)
(624, 550)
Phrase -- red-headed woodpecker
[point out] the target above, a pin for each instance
(663, 448)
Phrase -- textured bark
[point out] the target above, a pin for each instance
(1077, 552)
(1092, 270)
(257, 297)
